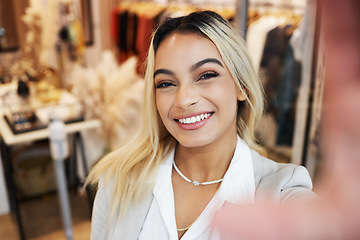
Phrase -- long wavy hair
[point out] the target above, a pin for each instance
(133, 167)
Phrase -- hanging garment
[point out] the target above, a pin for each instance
(131, 32)
(285, 97)
(114, 28)
(122, 18)
(145, 28)
(271, 62)
(282, 74)
(257, 33)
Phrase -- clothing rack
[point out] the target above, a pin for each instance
(243, 6)
(127, 14)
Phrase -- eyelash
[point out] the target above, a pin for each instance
(204, 76)
(164, 85)
(208, 75)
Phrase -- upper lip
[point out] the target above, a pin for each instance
(191, 115)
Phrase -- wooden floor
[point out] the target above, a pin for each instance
(42, 219)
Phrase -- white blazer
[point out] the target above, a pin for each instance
(275, 181)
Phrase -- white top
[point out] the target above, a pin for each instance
(280, 183)
(238, 187)
(256, 36)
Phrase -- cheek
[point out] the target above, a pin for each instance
(224, 94)
(162, 106)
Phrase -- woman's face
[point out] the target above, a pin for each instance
(196, 96)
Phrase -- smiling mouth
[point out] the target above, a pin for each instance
(194, 119)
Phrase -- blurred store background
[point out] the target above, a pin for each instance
(83, 61)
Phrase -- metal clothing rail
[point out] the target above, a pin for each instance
(242, 9)
(215, 3)
(203, 3)
(283, 6)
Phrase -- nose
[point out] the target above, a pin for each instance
(186, 96)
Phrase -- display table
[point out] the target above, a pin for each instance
(9, 139)
(13, 139)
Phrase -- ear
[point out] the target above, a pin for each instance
(242, 95)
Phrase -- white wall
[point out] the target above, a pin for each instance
(93, 53)
(4, 202)
(6, 59)
(101, 28)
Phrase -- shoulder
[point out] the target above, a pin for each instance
(100, 214)
(280, 181)
(126, 227)
(104, 189)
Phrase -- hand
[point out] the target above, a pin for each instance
(336, 214)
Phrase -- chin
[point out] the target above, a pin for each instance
(193, 142)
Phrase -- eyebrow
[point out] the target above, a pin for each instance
(193, 67)
(163, 71)
(206, 60)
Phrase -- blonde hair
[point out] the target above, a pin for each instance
(133, 167)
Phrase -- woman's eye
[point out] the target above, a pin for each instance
(164, 85)
(208, 75)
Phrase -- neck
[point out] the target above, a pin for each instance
(206, 163)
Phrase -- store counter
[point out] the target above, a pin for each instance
(11, 137)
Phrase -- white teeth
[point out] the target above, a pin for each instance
(194, 119)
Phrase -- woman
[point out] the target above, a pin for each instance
(196, 150)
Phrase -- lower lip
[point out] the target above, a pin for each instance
(193, 126)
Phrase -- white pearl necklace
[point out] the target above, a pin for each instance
(196, 183)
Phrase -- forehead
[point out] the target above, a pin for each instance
(184, 49)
